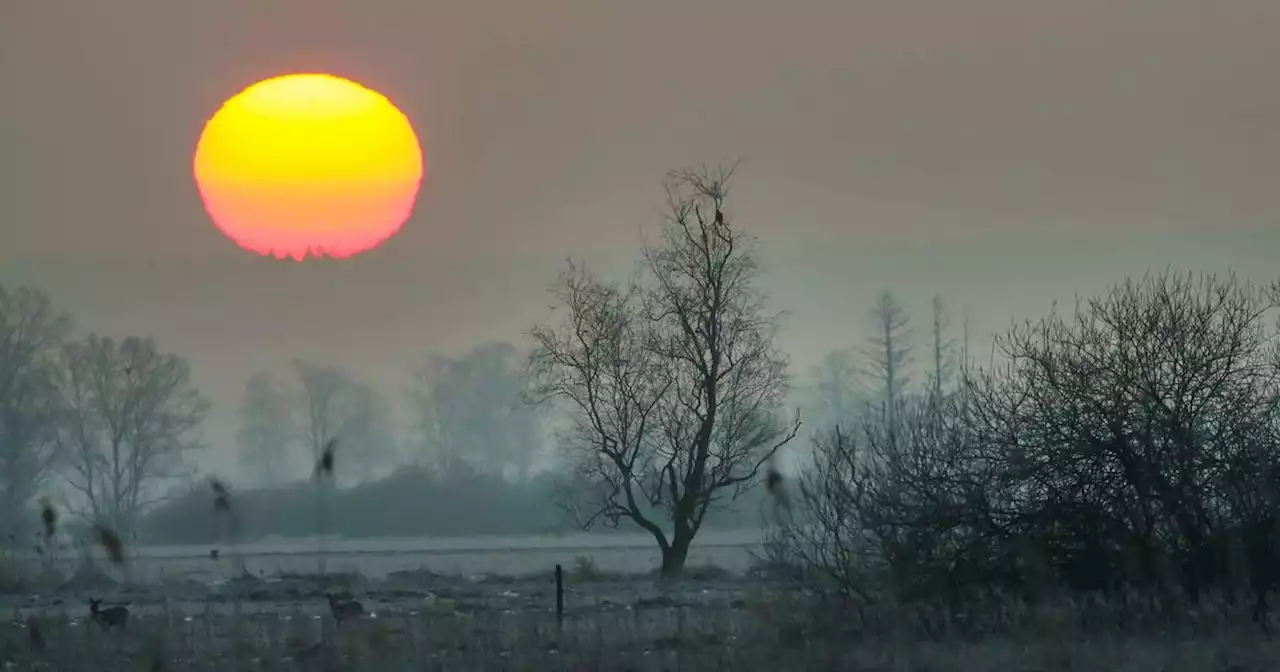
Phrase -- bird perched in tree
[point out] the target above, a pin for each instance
(35, 635)
(111, 543)
(221, 496)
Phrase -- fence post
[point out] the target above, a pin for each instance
(559, 597)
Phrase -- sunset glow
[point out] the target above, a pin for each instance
(308, 164)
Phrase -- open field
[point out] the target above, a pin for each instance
(377, 558)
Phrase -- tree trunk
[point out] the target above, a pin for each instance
(675, 555)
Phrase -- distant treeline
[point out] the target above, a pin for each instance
(413, 501)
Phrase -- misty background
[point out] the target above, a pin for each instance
(1004, 154)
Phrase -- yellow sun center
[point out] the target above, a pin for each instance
(308, 164)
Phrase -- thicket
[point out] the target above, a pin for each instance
(1129, 448)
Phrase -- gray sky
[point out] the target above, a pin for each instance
(1002, 152)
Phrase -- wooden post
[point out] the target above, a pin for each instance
(559, 597)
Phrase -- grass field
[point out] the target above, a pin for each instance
(377, 558)
(714, 619)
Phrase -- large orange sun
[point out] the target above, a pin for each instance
(308, 164)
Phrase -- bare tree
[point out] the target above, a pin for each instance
(436, 413)
(597, 365)
(31, 333)
(1131, 445)
(322, 390)
(835, 398)
(368, 430)
(1147, 422)
(832, 399)
(268, 429)
(890, 352)
(943, 350)
(336, 407)
(132, 415)
(674, 382)
(471, 410)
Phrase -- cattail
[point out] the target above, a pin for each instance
(221, 497)
(324, 467)
(773, 480)
(35, 635)
(49, 517)
(111, 543)
(774, 485)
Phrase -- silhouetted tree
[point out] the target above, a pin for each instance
(132, 415)
(674, 383)
(1147, 422)
(31, 333)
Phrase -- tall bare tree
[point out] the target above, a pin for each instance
(31, 333)
(268, 429)
(942, 366)
(889, 351)
(132, 415)
(674, 382)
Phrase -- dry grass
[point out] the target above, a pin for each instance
(757, 632)
(766, 627)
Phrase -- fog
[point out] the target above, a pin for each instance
(1004, 154)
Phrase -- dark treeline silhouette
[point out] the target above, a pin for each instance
(1132, 446)
(412, 501)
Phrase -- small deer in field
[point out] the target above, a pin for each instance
(110, 617)
(344, 609)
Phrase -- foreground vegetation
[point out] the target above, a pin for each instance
(427, 622)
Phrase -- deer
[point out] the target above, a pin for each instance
(344, 609)
(110, 617)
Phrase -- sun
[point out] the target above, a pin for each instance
(308, 165)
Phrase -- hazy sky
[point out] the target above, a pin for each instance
(1003, 152)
